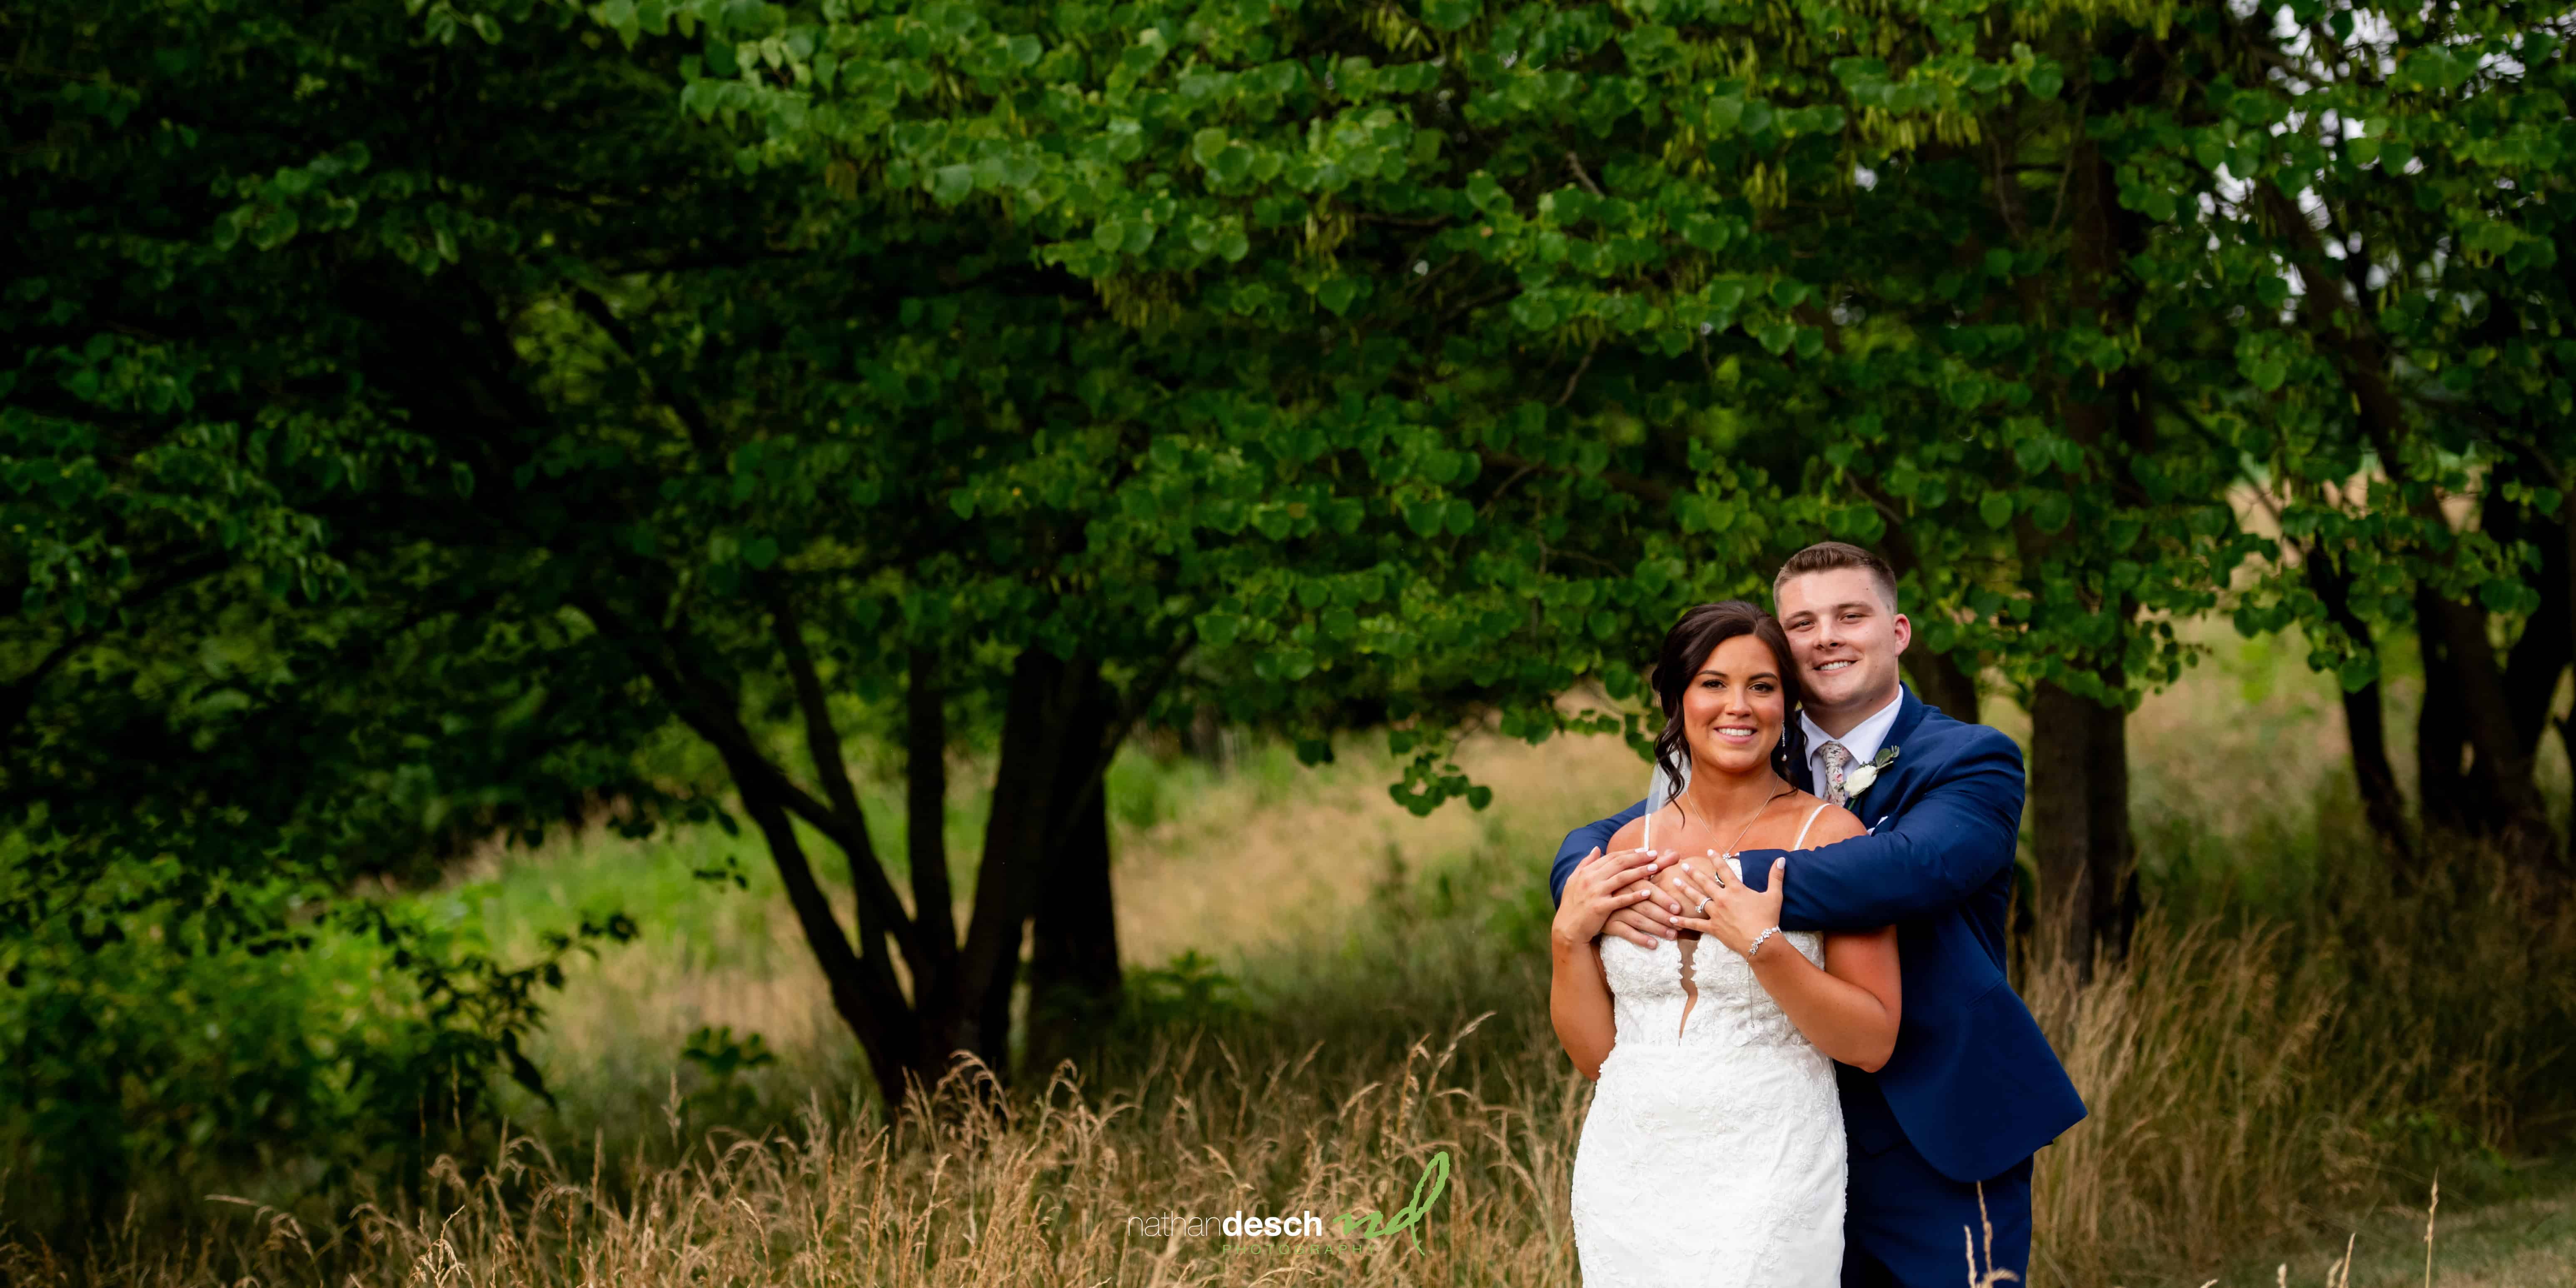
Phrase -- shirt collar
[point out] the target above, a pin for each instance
(1863, 740)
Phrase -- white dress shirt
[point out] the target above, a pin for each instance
(1862, 742)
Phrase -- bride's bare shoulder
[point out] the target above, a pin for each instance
(1833, 823)
(1628, 836)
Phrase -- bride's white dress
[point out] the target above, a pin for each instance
(1713, 1153)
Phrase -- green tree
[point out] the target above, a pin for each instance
(2412, 398)
(498, 447)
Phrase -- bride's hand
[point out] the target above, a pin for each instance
(1601, 885)
(1733, 915)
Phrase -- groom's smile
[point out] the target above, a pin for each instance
(1847, 637)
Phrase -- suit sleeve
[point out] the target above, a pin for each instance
(1945, 846)
(1579, 842)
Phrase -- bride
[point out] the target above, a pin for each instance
(1713, 1152)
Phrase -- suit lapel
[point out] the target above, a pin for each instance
(1909, 716)
(1909, 713)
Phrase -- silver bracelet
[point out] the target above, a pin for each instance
(1757, 942)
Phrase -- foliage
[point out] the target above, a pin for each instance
(351, 1046)
(420, 421)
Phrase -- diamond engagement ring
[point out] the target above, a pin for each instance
(1700, 909)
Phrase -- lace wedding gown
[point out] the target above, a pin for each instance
(1713, 1153)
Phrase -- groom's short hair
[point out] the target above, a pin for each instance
(1828, 556)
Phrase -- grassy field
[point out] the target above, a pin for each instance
(2519, 1242)
(1331, 992)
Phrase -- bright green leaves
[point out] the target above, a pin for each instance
(1218, 628)
(1224, 238)
(1230, 164)
(1130, 235)
(1536, 310)
(2050, 509)
(2044, 79)
(1434, 517)
(1710, 233)
(1785, 276)
(2264, 358)
(1996, 508)
(1207, 144)
(1448, 15)
(2434, 67)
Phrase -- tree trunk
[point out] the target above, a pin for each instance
(1942, 682)
(2365, 726)
(2113, 852)
(2061, 809)
(926, 848)
(2513, 816)
(869, 1012)
(2440, 737)
(961, 994)
(2465, 698)
(1039, 732)
(2080, 836)
(1073, 964)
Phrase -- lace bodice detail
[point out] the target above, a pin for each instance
(1652, 991)
(1712, 1155)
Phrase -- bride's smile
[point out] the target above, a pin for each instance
(1734, 708)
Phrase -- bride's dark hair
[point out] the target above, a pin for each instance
(1686, 648)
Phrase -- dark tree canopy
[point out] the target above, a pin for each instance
(417, 421)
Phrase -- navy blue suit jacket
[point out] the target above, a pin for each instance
(1972, 1085)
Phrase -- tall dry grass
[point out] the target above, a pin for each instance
(2293, 1038)
(2243, 1083)
(2246, 1081)
(1043, 1195)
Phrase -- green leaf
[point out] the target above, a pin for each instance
(1206, 144)
(1996, 509)
(1426, 518)
(1448, 15)
(2050, 510)
(1534, 310)
(1461, 517)
(1217, 630)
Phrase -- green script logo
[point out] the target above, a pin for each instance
(1369, 1225)
(1303, 1233)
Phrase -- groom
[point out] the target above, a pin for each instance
(1972, 1090)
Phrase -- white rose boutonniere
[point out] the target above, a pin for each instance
(1858, 780)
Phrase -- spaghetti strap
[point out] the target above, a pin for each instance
(1801, 842)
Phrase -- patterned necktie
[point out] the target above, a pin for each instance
(1836, 757)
